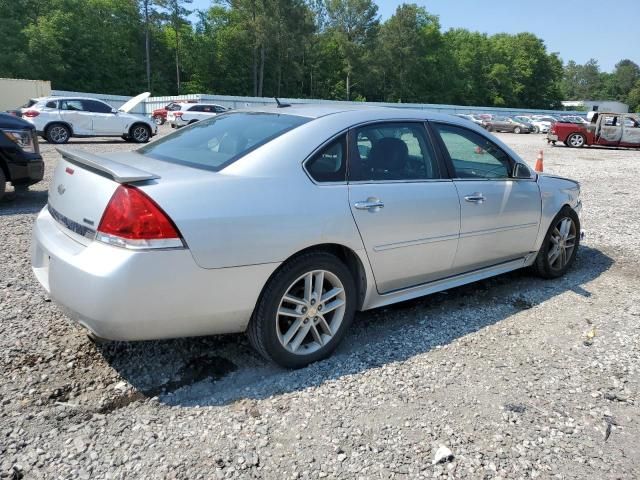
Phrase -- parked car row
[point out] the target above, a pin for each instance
(520, 123)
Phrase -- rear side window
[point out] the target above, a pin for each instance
(472, 155)
(217, 142)
(195, 108)
(71, 105)
(52, 104)
(330, 164)
(392, 152)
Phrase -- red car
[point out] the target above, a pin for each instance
(159, 115)
(607, 129)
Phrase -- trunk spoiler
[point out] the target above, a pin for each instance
(119, 172)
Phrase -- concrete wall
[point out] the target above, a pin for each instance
(236, 102)
(15, 92)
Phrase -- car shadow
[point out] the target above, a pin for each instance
(30, 201)
(218, 370)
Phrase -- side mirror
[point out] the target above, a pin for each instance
(114, 111)
(522, 171)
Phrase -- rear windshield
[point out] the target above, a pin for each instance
(215, 143)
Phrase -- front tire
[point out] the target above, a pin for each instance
(139, 133)
(304, 310)
(57, 133)
(517, 130)
(560, 245)
(3, 183)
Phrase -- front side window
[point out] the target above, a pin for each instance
(330, 164)
(217, 142)
(96, 106)
(472, 155)
(391, 152)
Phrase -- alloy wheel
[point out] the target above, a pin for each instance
(576, 140)
(310, 312)
(140, 134)
(58, 134)
(563, 242)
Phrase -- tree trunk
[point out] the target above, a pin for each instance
(261, 79)
(255, 70)
(348, 86)
(177, 60)
(254, 65)
(146, 43)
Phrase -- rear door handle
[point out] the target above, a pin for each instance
(369, 204)
(475, 198)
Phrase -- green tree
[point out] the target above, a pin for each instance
(353, 26)
(410, 47)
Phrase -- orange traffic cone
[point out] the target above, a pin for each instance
(540, 162)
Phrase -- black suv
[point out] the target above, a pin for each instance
(20, 160)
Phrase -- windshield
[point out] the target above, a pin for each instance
(215, 143)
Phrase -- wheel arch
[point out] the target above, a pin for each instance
(138, 122)
(345, 254)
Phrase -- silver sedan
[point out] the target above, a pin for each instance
(284, 222)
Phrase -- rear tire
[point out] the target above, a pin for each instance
(159, 120)
(318, 294)
(139, 133)
(560, 245)
(576, 140)
(57, 133)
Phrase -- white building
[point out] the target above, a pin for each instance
(597, 105)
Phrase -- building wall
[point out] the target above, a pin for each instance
(15, 92)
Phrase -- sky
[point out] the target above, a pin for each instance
(607, 30)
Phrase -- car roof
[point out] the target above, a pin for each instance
(43, 99)
(367, 112)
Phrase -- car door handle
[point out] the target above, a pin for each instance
(475, 198)
(369, 204)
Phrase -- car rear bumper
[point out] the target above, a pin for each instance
(119, 294)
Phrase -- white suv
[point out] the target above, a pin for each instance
(57, 119)
(191, 113)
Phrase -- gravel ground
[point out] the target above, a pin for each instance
(518, 377)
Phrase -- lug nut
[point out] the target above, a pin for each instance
(313, 301)
(304, 309)
(319, 307)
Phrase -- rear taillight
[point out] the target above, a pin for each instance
(178, 114)
(31, 113)
(133, 220)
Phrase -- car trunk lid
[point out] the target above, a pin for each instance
(82, 185)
